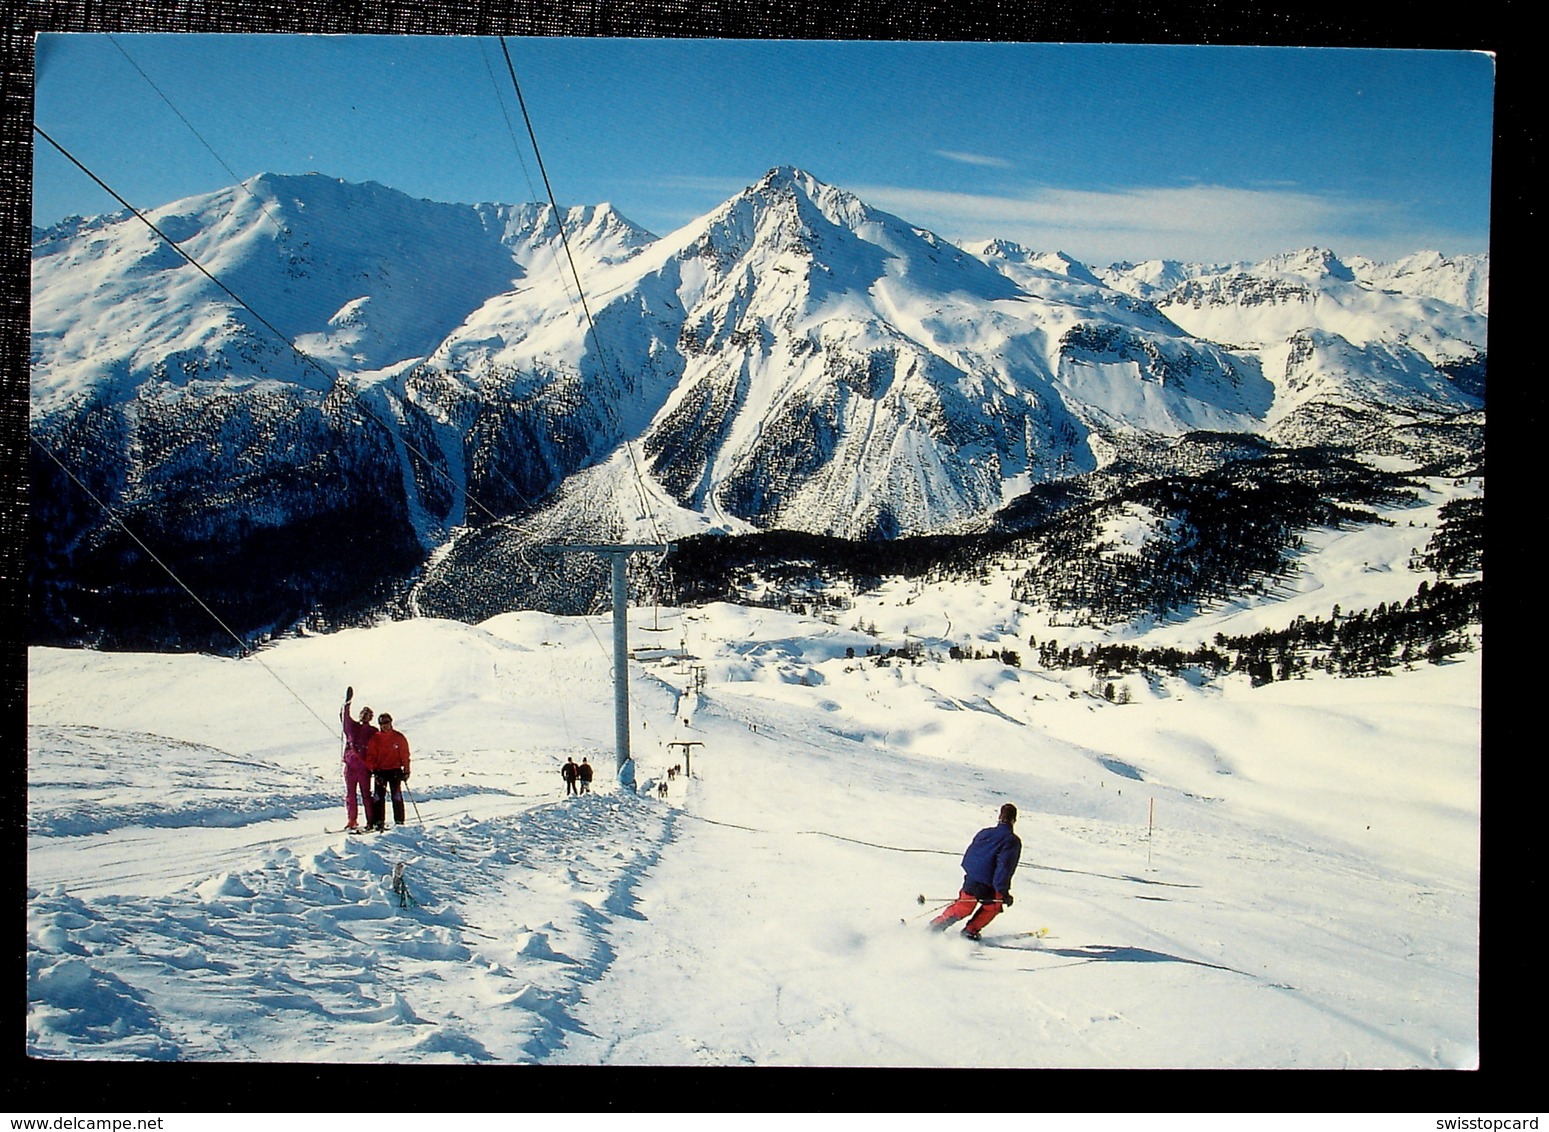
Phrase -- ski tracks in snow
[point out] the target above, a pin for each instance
(304, 956)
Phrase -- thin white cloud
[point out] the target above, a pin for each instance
(974, 159)
(1202, 223)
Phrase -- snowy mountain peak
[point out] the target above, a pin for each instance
(999, 249)
(281, 184)
(1309, 263)
(1007, 255)
(787, 180)
(600, 232)
(1462, 280)
(809, 202)
(792, 178)
(791, 224)
(603, 222)
(794, 359)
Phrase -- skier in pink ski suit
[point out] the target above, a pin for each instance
(357, 775)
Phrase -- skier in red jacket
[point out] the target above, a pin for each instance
(388, 756)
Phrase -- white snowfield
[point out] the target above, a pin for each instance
(1286, 876)
(1229, 875)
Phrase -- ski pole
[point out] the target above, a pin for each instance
(413, 803)
(952, 899)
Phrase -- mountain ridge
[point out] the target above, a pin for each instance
(793, 359)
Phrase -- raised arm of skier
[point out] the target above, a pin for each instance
(357, 734)
(357, 774)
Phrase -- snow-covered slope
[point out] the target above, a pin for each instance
(1155, 277)
(798, 359)
(1285, 876)
(1461, 281)
(360, 278)
(1324, 337)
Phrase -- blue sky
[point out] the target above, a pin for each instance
(1105, 152)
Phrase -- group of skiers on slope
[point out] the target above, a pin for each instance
(382, 753)
(372, 752)
(578, 779)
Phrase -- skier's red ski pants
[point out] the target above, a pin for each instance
(964, 905)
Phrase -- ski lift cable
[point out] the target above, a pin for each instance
(229, 171)
(572, 293)
(307, 359)
(301, 354)
(521, 158)
(280, 227)
(532, 192)
(602, 354)
(247, 651)
(605, 358)
(356, 398)
(564, 236)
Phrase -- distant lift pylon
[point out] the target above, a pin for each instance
(619, 554)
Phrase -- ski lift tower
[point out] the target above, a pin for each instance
(619, 553)
(688, 754)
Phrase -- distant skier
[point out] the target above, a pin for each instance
(988, 865)
(584, 776)
(570, 772)
(388, 756)
(357, 775)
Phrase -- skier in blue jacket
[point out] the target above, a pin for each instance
(988, 865)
